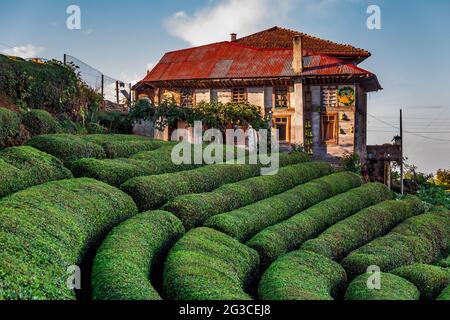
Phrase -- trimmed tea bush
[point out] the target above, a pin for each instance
(129, 255)
(347, 235)
(392, 288)
(23, 167)
(124, 146)
(430, 280)
(445, 295)
(289, 235)
(48, 228)
(9, 126)
(244, 223)
(193, 210)
(302, 275)
(40, 122)
(152, 192)
(68, 148)
(421, 239)
(209, 265)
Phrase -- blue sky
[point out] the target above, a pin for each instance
(122, 38)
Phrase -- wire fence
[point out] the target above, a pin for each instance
(113, 90)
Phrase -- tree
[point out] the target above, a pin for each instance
(443, 177)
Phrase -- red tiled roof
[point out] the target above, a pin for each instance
(230, 60)
(277, 37)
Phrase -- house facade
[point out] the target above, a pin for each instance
(313, 89)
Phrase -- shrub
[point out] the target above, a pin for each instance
(195, 209)
(131, 254)
(152, 192)
(392, 288)
(9, 126)
(420, 239)
(347, 235)
(95, 128)
(124, 146)
(23, 167)
(246, 222)
(445, 295)
(430, 280)
(208, 265)
(302, 275)
(40, 122)
(434, 195)
(289, 235)
(68, 126)
(116, 122)
(445, 263)
(67, 148)
(48, 228)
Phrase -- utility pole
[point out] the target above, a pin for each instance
(103, 90)
(65, 59)
(402, 188)
(117, 92)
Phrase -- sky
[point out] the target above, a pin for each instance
(123, 39)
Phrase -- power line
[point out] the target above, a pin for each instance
(409, 132)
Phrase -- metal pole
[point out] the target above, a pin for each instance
(65, 59)
(103, 90)
(402, 188)
(117, 91)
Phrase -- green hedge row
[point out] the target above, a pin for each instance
(420, 239)
(370, 223)
(131, 253)
(9, 126)
(289, 235)
(195, 209)
(48, 228)
(68, 148)
(124, 146)
(445, 295)
(392, 288)
(430, 280)
(208, 265)
(152, 192)
(40, 122)
(23, 167)
(244, 223)
(302, 275)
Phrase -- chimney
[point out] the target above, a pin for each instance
(233, 37)
(297, 62)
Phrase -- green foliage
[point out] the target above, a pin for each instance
(352, 162)
(445, 295)
(194, 210)
(434, 195)
(95, 128)
(244, 223)
(67, 148)
(208, 265)
(289, 235)
(392, 288)
(70, 127)
(302, 275)
(50, 227)
(131, 254)
(152, 192)
(9, 126)
(40, 122)
(116, 122)
(349, 234)
(420, 239)
(430, 280)
(445, 263)
(51, 86)
(23, 167)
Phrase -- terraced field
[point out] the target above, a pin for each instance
(143, 228)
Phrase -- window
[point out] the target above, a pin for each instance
(186, 97)
(281, 98)
(239, 95)
(329, 128)
(282, 124)
(329, 97)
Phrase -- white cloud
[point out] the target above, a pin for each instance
(215, 22)
(27, 51)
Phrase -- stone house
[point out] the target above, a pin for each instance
(313, 89)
